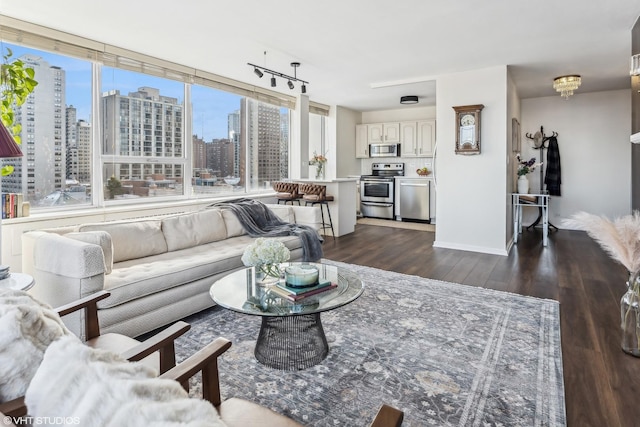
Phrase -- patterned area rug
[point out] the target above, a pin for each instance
(445, 354)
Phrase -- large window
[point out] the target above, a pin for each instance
(55, 169)
(144, 140)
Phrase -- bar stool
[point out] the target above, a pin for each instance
(313, 194)
(286, 192)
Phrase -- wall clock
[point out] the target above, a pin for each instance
(468, 129)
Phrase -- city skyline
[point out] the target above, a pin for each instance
(211, 107)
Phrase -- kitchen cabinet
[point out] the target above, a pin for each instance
(383, 132)
(362, 141)
(417, 139)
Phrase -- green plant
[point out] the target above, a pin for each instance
(114, 186)
(16, 83)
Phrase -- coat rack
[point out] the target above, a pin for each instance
(540, 143)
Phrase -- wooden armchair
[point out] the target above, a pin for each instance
(157, 351)
(238, 412)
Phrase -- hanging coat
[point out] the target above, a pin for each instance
(552, 175)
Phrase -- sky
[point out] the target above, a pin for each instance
(210, 106)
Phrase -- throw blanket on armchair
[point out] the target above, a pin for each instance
(259, 221)
(96, 388)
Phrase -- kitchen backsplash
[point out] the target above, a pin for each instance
(411, 164)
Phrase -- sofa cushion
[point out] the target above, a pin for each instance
(193, 229)
(133, 279)
(231, 221)
(132, 239)
(100, 238)
(285, 213)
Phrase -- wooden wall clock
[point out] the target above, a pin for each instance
(468, 129)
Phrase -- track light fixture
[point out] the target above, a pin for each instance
(258, 70)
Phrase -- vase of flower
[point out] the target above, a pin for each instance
(319, 161)
(319, 170)
(267, 274)
(630, 317)
(523, 184)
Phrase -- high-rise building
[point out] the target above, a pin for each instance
(262, 140)
(41, 170)
(199, 153)
(145, 124)
(78, 148)
(233, 125)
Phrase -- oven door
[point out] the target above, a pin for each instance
(380, 191)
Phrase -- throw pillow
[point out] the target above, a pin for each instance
(27, 328)
(97, 388)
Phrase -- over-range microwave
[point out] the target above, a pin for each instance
(384, 150)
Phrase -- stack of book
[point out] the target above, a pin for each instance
(11, 205)
(297, 294)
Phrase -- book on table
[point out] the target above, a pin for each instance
(296, 294)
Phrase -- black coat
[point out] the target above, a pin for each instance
(552, 175)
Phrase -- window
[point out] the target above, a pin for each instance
(56, 132)
(159, 132)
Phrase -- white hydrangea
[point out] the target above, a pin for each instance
(265, 251)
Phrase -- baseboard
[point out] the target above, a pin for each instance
(481, 249)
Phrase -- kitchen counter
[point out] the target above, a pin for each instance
(325, 181)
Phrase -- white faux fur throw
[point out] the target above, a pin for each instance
(97, 388)
(27, 327)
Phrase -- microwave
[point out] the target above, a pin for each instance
(384, 150)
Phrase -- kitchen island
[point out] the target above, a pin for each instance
(343, 208)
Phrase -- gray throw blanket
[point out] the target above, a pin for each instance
(260, 221)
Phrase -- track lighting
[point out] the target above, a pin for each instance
(259, 71)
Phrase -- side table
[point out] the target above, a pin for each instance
(18, 281)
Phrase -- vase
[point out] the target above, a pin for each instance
(630, 316)
(320, 171)
(267, 274)
(523, 184)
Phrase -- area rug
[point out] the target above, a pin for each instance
(420, 226)
(445, 354)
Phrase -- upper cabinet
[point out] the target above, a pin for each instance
(362, 141)
(383, 132)
(417, 139)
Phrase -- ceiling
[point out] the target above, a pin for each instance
(364, 54)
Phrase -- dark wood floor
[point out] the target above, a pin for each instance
(601, 382)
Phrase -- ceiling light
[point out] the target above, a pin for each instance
(410, 99)
(259, 71)
(567, 84)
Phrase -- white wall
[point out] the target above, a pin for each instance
(471, 190)
(595, 153)
(345, 141)
(513, 112)
(399, 115)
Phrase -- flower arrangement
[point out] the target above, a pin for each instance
(318, 160)
(265, 254)
(526, 166)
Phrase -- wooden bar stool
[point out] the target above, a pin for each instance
(286, 192)
(313, 194)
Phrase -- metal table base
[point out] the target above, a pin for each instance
(291, 343)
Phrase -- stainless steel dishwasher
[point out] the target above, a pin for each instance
(413, 197)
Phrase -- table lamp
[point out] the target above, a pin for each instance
(8, 149)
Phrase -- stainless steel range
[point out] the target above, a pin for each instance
(377, 191)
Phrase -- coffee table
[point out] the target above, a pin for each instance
(291, 335)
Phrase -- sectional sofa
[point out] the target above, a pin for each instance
(158, 270)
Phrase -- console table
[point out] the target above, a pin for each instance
(540, 200)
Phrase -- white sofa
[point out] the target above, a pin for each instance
(158, 270)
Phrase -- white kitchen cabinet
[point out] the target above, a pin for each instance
(362, 141)
(408, 139)
(383, 132)
(426, 137)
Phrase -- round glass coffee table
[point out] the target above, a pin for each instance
(291, 335)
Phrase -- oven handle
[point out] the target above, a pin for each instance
(381, 205)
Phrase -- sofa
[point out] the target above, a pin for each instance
(157, 270)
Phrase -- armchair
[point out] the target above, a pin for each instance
(157, 352)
